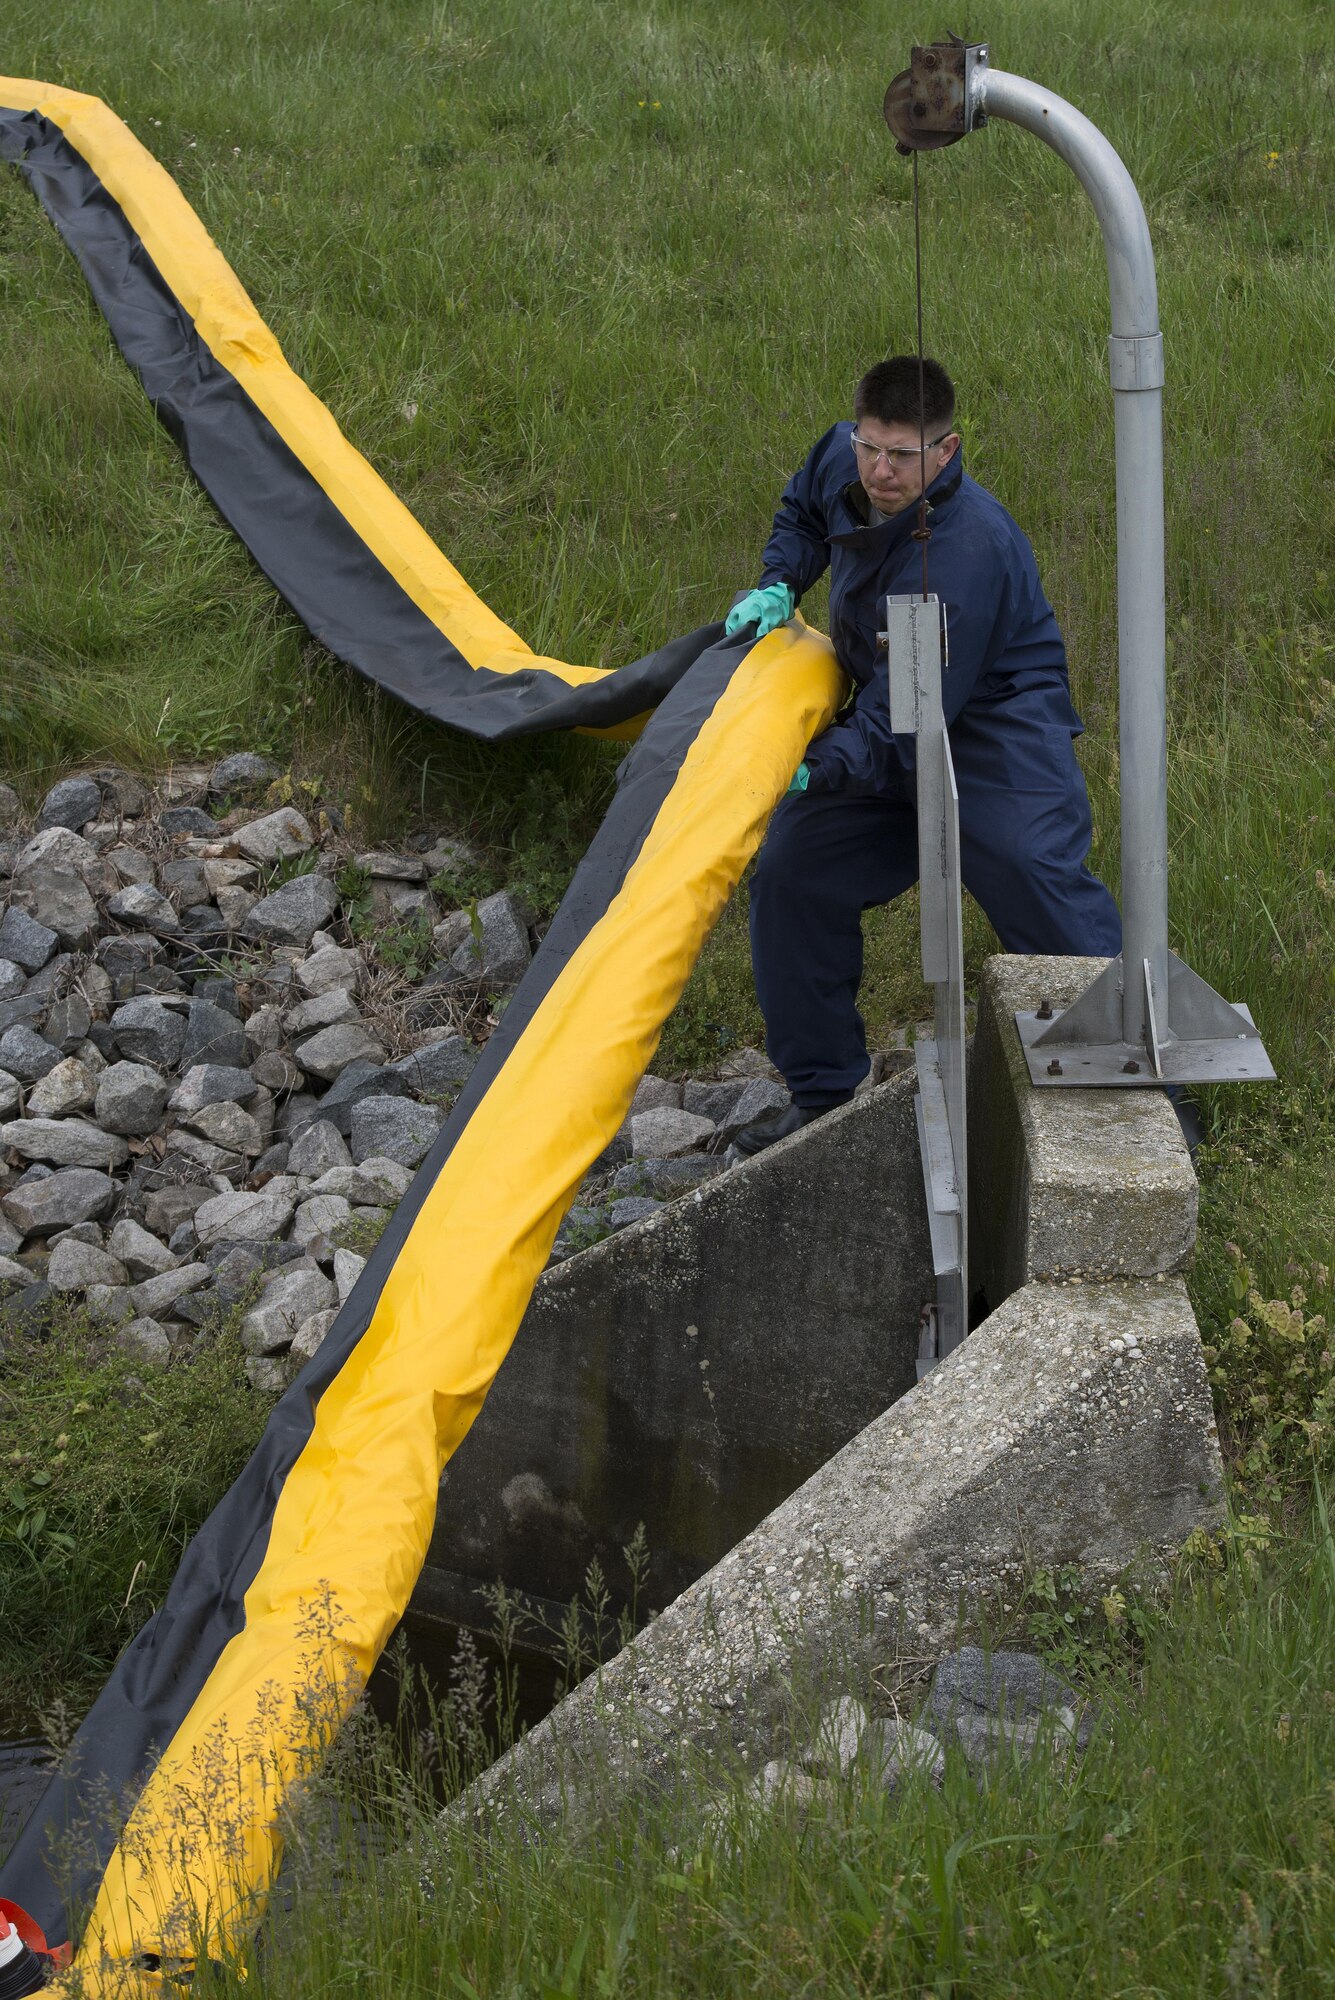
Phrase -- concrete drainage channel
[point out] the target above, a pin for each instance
(736, 1374)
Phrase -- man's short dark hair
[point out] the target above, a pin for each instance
(889, 392)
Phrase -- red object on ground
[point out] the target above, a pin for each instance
(15, 1916)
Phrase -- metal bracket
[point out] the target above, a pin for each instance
(1194, 1036)
(937, 100)
(916, 651)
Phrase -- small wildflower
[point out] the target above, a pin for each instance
(1272, 160)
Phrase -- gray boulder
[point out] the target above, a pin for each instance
(333, 966)
(166, 1208)
(436, 1070)
(24, 1009)
(26, 1055)
(667, 1178)
(292, 914)
(278, 836)
(134, 869)
(264, 1031)
(68, 1022)
(358, 1080)
(715, 1100)
(322, 1010)
(632, 1208)
(376, 1181)
(24, 940)
(499, 950)
(267, 1374)
(227, 1125)
(1001, 1701)
(142, 1253)
(13, 978)
(898, 1753)
(395, 1128)
(146, 1341)
(188, 822)
(277, 1072)
(249, 1218)
(287, 1302)
(317, 1149)
(348, 1267)
(319, 1215)
(144, 908)
(212, 1083)
(760, 1099)
(159, 1293)
(71, 803)
(68, 1087)
(49, 877)
(59, 1201)
(108, 1305)
(147, 1030)
(393, 867)
(73, 1267)
(662, 1134)
(311, 1333)
(656, 1093)
(9, 1095)
(64, 1142)
(212, 1035)
(243, 771)
(11, 805)
(130, 1099)
(331, 1050)
(124, 796)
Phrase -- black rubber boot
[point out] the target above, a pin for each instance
(765, 1131)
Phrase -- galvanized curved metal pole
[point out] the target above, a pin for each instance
(1135, 352)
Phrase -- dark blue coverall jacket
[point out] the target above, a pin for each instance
(850, 841)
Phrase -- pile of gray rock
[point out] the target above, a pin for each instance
(212, 1092)
(217, 1078)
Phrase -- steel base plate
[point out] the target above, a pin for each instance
(1122, 1066)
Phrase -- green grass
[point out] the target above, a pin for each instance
(106, 1471)
(1191, 1851)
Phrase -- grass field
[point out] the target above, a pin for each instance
(584, 281)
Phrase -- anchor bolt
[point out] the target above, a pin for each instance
(1054, 1067)
(1044, 1010)
(1131, 1068)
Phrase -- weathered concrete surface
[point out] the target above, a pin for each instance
(1074, 1426)
(1087, 1183)
(689, 1372)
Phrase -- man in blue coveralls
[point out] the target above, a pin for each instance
(845, 838)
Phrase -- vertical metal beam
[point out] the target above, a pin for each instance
(915, 643)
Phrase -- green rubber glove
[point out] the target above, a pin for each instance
(771, 605)
(801, 779)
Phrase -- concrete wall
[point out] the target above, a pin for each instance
(690, 1371)
(1073, 1426)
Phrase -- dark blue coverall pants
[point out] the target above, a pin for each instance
(850, 841)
